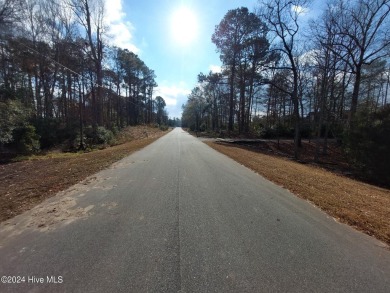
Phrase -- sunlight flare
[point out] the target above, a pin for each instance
(184, 26)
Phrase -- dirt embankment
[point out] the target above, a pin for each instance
(363, 206)
(25, 184)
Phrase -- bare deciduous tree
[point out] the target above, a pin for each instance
(8, 12)
(362, 36)
(282, 18)
(90, 14)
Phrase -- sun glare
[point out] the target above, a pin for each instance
(184, 26)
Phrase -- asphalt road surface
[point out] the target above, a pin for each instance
(178, 216)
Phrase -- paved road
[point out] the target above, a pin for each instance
(179, 217)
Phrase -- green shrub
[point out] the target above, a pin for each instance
(115, 130)
(77, 144)
(275, 132)
(26, 139)
(163, 127)
(102, 135)
(48, 131)
(13, 117)
(367, 145)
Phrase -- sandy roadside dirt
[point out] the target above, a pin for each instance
(26, 184)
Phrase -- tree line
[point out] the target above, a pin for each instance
(285, 76)
(61, 81)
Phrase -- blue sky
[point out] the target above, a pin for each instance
(145, 27)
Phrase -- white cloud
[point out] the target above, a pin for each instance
(174, 96)
(171, 93)
(114, 9)
(120, 31)
(300, 9)
(215, 68)
(309, 57)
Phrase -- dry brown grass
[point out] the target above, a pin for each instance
(363, 206)
(27, 183)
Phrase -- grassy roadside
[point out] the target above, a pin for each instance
(27, 183)
(363, 206)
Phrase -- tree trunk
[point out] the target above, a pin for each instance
(294, 98)
(355, 95)
(231, 96)
(241, 120)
